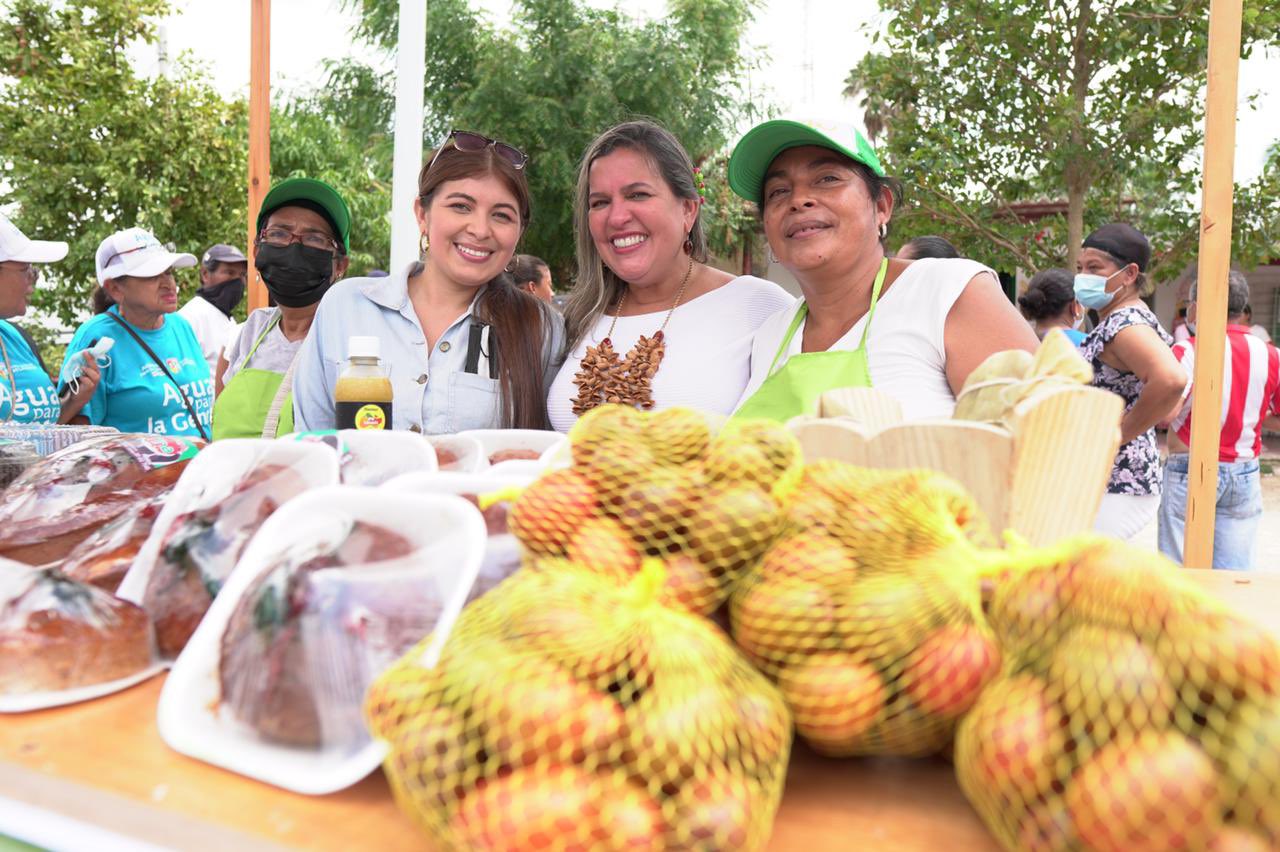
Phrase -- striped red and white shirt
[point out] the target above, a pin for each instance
(1250, 393)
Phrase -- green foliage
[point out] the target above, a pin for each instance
(87, 147)
(560, 72)
(985, 103)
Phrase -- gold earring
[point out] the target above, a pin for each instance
(424, 244)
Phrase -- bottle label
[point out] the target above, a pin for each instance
(365, 416)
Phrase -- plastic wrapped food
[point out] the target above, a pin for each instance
(570, 712)
(458, 453)
(57, 634)
(868, 613)
(1134, 712)
(504, 445)
(105, 557)
(338, 584)
(663, 484)
(264, 669)
(56, 504)
(15, 457)
(217, 507)
(371, 458)
(493, 496)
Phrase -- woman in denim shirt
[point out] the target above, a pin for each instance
(467, 349)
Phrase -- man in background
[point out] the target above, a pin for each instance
(1250, 402)
(223, 274)
(533, 276)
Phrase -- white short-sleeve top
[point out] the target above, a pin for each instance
(708, 349)
(906, 352)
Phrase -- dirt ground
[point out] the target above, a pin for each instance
(1268, 548)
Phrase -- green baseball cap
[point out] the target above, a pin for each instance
(764, 142)
(315, 195)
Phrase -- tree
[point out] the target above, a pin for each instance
(985, 103)
(560, 72)
(88, 147)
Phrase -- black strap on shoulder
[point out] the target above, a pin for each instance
(145, 348)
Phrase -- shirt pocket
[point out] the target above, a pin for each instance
(473, 402)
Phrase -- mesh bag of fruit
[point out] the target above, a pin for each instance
(867, 611)
(708, 502)
(1133, 712)
(568, 711)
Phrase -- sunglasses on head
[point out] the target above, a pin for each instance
(465, 140)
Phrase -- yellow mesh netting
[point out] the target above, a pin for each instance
(707, 502)
(572, 712)
(867, 611)
(1133, 712)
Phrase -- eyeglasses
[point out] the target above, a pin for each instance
(28, 269)
(120, 254)
(465, 140)
(281, 237)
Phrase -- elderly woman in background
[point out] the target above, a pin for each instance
(645, 293)
(1050, 302)
(912, 329)
(1130, 354)
(157, 379)
(26, 393)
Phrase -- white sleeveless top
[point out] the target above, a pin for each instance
(905, 349)
(708, 357)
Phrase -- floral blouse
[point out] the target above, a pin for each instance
(1137, 468)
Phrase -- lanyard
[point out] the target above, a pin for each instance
(804, 312)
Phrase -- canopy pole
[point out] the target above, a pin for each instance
(1211, 289)
(407, 159)
(259, 134)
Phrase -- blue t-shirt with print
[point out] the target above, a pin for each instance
(37, 401)
(134, 395)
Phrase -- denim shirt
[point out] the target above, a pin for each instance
(431, 394)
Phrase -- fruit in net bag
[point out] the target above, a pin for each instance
(709, 503)
(1134, 711)
(568, 711)
(866, 611)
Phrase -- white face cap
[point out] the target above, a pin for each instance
(15, 245)
(138, 253)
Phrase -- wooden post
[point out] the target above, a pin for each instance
(1211, 289)
(259, 134)
(411, 48)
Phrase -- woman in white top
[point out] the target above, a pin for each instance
(644, 293)
(912, 329)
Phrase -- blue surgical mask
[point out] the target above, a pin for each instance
(1091, 290)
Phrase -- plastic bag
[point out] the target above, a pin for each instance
(570, 712)
(867, 612)
(15, 457)
(105, 557)
(57, 503)
(491, 495)
(1134, 711)
(663, 484)
(58, 637)
(1007, 378)
(338, 584)
(50, 438)
(219, 503)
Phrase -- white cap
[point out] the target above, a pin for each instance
(136, 252)
(15, 245)
(363, 346)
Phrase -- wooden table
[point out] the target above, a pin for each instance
(103, 762)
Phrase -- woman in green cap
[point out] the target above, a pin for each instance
(304, 233)
(912, 329)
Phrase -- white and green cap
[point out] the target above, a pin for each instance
(763, 143)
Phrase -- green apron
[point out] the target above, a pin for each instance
(793, 389)
(241, 410)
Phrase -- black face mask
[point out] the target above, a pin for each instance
(224, 296)
(296, 276)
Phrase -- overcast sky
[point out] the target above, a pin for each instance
(811, 45)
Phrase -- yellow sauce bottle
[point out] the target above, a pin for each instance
(363, 389)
